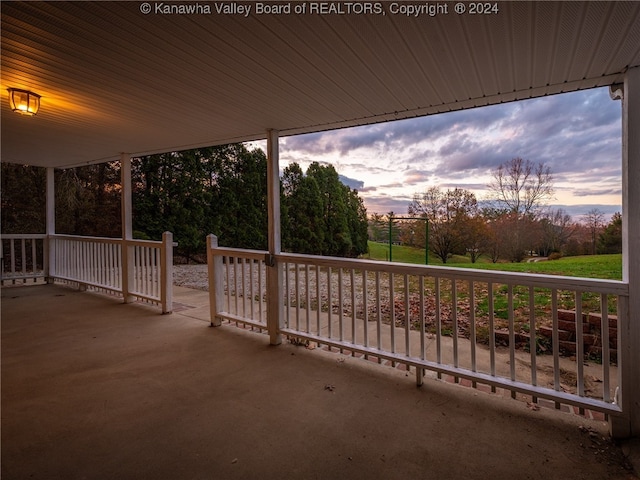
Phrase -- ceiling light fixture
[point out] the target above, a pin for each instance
(24, 101)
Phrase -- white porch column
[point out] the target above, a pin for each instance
(127, 226)
(125, 179)
(50, 228)
(166, 269)
(629, 346)
(274, 269)
(215, 270)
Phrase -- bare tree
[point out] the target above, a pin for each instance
(522, 186)
(476, 232)
(594, 220)
(448, 214)
(556, 228)
(493, 243)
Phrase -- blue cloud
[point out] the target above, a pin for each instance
(577, 134)
(351, 182)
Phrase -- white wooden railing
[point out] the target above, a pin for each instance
(24, 258)
(89, 261)
(135, 269)
(486, 327)
(237, 285)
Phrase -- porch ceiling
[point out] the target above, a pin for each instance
(113, 79)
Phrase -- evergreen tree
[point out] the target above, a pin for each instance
(610, 240)
(302, 212)
(221, 190)
(337, 239)
(169, 195)
(358, 225)
(23, 199)
(320, 215)
(240, 199)
(378, 228)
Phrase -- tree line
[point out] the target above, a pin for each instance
(223, 190)
(220, 190)
(513, 224)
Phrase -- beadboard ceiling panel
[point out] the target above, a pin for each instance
(114, 80)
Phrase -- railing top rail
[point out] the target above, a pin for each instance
(134, 242)
(83, 238)
(560, 282)
(20, 236)
(240, 252)
(145, 243)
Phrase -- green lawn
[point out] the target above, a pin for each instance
(588, 266)
(380, 251)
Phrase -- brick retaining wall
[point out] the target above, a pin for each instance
(591, 333)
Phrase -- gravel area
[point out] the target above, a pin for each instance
(195, 276)
(191, 276)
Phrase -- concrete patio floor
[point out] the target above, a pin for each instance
(93, 388)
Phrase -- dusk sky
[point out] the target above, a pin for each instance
(577, 134)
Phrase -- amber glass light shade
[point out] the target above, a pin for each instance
(24, 101)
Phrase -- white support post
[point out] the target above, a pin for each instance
(629, 333)
(166, 273)
(274, 269)
(214, 265)
(49, 251)
(127, 228)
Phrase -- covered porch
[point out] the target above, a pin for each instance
(122, 79)
(93, 388)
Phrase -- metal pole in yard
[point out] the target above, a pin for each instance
(390, 237)
(426, 241)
